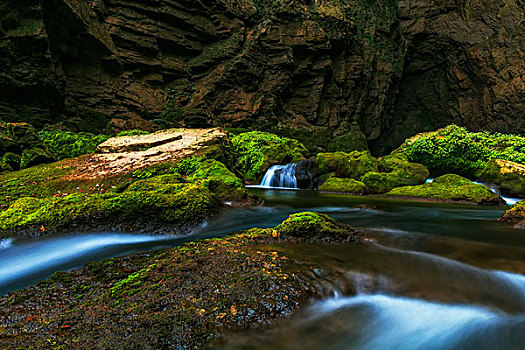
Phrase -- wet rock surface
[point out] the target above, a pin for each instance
(382, 70)
(188, 296)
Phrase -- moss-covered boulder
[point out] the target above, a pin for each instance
(516, 214)
(316, 227)
(209, 173)
(454, 149)
(337, 184)
(347, 165)
(25, 135)
(35, 156)
(396, 171)
(450, 187)
(7, 144)
(10, 162)
(256, 151)
(509, 176)
(172, 206)
(217, 178)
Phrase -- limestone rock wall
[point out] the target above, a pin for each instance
(313, 68)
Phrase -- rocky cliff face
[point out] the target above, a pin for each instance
(331, 70)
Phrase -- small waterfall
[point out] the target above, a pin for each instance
(495, 189)
(280, 176)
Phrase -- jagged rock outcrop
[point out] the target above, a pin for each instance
(317, 69)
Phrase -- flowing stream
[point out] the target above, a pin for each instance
(433, 276)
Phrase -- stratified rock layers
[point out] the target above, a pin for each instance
(326, 67)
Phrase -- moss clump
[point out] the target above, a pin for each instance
(210, 173)
(256, 151)
(10, 162)
(516, 213)
(35, 156)
(65, 144)
(21, 147)
(347, 165)
(450, 187)
(336, 184)
(396, 171)
(509, 176)
(456, 150)
(312, 226)
(177, 205)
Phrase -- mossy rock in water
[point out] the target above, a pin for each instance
(10, 162)
(336, 184)
(348, 165)
(516, 214)
(156, 207)
(509, 176)
(256, 151)
(450, 187)
(397, 171)
(316, 227)
(35, 156)
(217, 178)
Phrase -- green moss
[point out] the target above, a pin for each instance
(256, 151)
(335, 184)
(450, 187)
(35, 156)
(10, 162)
(509, 176)
(456, 150)
(315, 227)
(348, 165)
(132, 133)
(170, 204)
(396, 171)
(65, 144)
(217, 178)
(515, 213)
(130, 285)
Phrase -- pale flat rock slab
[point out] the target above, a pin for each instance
(162, 146)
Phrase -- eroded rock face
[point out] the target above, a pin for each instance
(328, 68)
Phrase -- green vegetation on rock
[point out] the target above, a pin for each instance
(312, 226)
(347, 165)
(396, 171)
(336, 184)
(139, 206)
(509, 176)
(256, 151)
(450, 187)
(516, 213)
(454, 149)
(66, 144)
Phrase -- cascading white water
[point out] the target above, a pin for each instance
(280, 176)
(508, 200)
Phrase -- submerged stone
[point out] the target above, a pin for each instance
(450, 187)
